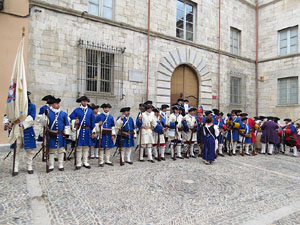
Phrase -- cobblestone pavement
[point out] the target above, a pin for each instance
(234, 190)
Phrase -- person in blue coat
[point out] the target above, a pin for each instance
(83, 118)
(246, 133)
(126, 134)
(58, 127)
(108, 134)
(210, 134)
(27, 140)
(233, 124)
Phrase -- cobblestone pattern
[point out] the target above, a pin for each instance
(232, 191)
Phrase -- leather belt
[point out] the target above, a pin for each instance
(146, 128)
(85, 127)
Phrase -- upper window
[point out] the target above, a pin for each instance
(103, 8)
(288, 91)
(235, 90)
(288, 41)
(185, 20)
(235, 40)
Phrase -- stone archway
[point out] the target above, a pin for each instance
(167, 66)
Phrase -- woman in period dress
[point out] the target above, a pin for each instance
(210, 133)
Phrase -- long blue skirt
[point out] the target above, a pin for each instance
(209, 153)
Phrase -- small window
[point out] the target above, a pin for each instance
(288, 41)
(235, 90)
(102, 8)
(99, 71)
(235, 39)
(185, 20)
(288, 91)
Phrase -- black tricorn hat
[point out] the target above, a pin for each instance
(244, 114)
(186, 100)
(93, 106)
(47, 97)
(234, 111)
(180, 100)
(125, 109)
(208, 112)
(156, 110)
(82, 98)
(245, 118)
(215, 110)
(238, 111)
(148, 102)
(164, 106)
(261, 117)
(270, 117)
(175, 106)
(192, 109)
(55, 100)
(287, 119)
(104, 105)
(148, 107)
(28, 93)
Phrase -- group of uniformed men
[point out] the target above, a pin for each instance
(94, 134)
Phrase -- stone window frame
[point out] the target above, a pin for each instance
(194, 6)
(288, 45)
(233, 31)
(287, 90)
(242, 91)
(100, 4)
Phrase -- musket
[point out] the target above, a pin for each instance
(140, 137)
(176, 140)
(121, 145)
(100, 135)
(231, 143)
(47, 145)
(76, 143)
(14, 158)
(7, 155)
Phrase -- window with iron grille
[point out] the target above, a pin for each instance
(185, 20)
(288, 41)
(100, 67)
(235, 40)
(99, 71)
(103, 8)
(288, 91)
(235, 90)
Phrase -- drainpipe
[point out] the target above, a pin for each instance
(219, 55)
(148, 51)
(256, 61)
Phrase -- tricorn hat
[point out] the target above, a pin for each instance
(82, 98)
(287, 119)
(93, 106)
(148, 102)
(125, 109)
(208, 112)
(104, 105)
(164, 106)
(192, 109)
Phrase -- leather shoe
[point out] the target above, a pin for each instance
(163, 159)
(88, 167)
(110, 164)
(151, 161)
(141, 160)
(77, 167)
(50, 170)
(129, 162)
(30, 171)
(101, 165)
(222, 155)
(193, 156)
(61, 169)
(179, 157)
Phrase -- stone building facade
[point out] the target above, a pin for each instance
(61, 31)
(99, 48)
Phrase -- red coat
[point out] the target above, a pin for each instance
(251, 123)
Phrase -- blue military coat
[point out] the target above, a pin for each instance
(235, 132)
(29, 135)
(127, 141)
(60, 123)
(107, 123)
(84, 138)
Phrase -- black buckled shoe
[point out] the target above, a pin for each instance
(110, 164)
(163, 158)
(61, 169)
(180, 157)
(50, 170)
(88, 167)
(141, 160)
(129, 162)
(77, 167)
(30, 171)
(152, 161)
(101, 165)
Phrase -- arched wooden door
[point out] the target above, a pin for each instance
(184, 84)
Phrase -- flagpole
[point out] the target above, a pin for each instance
(15, 144)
